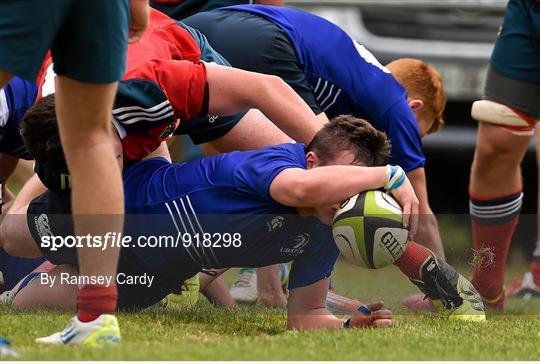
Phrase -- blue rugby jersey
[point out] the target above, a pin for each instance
(226, 194)
(348, 79)
(15, 98)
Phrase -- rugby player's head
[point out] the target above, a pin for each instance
(348, 140)
(39, 130)
(425, 90)
(345, 140)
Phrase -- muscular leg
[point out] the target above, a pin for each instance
(97, 184)
(496, 167)
(97, 191)
(495, 189)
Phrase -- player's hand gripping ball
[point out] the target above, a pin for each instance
(368, 230)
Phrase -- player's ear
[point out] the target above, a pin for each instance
(415, 104)
(312, 160)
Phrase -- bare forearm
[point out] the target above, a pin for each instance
(32, 189)
(289, 112)
(332, 184)
(233, 90)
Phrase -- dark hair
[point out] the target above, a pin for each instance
(39, 130)
(347, 133)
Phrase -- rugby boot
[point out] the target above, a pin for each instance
(452, 294)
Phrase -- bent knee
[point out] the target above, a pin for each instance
(496, 145)
(491, 159)
(490, 150)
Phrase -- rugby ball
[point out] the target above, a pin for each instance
(368, 231)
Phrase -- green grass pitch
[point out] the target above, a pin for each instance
(251, 333)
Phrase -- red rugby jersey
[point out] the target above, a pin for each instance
(164, 84)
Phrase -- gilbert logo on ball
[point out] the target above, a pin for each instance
(368, 230)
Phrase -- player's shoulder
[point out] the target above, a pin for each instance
(272, 10)
(292, 20)
(140, 168)
(399, 114)
(286, 152)
(383, 95)
(296, 149)
(143, 117)
(144, 181)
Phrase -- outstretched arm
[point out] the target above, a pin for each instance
(232, 90)
(307, 311)
(31, 189)
(324, 186)
(330, 185)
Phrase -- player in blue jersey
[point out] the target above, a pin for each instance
(336, 75)
(15, 99)
(243, 190)
(241, 193)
